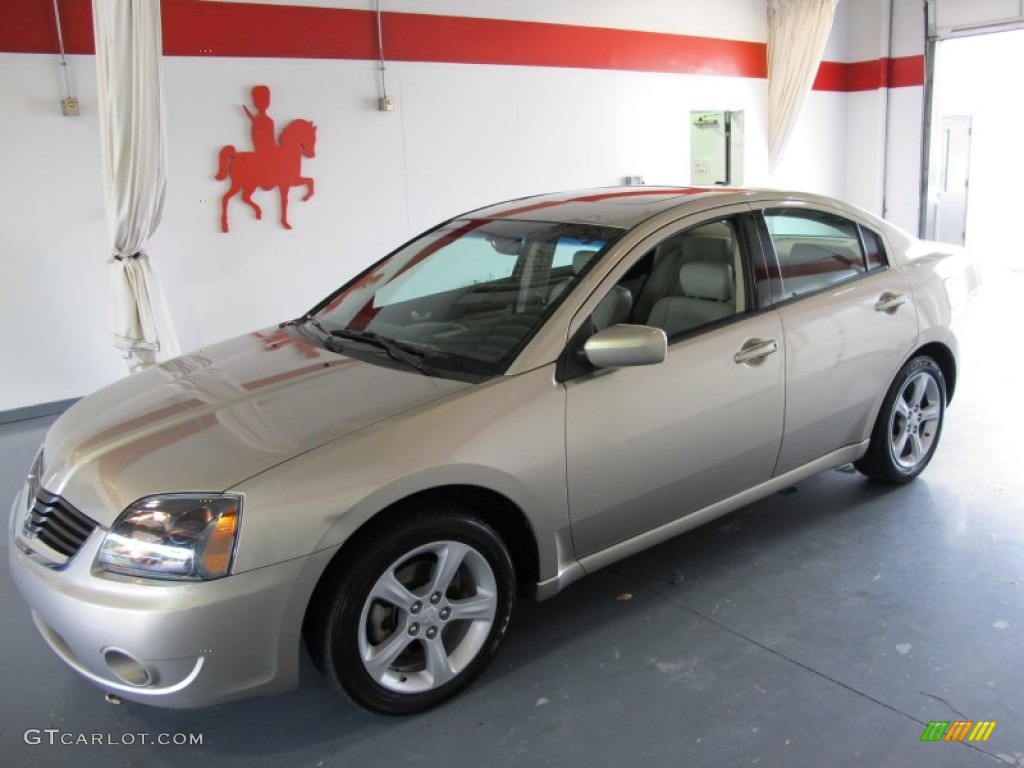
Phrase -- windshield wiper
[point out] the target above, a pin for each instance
(396, 350)
(414, 355)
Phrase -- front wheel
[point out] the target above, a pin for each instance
(416, 615)
(909, 423)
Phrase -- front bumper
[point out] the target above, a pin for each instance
(170, 644)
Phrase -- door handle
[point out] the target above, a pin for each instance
(889, 302)
(755, 350)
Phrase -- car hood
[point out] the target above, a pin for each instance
(208, 420)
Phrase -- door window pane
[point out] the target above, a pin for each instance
(814, 249)
(691, 279)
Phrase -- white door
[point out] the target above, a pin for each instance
(949, 217)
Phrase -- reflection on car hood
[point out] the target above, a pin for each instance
(208, 420)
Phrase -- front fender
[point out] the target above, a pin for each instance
(506, 436)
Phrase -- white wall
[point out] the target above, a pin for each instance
(906, 122)
(885, 122)
(462, 136)
(53, 245)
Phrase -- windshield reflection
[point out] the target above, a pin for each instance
(468, 295)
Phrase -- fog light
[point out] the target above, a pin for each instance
(127, 668)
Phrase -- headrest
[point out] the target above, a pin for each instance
(580, 259)
(701, 280)
(704, 248)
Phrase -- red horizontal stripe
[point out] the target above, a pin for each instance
(460, 39)
(199, 28)
(867, 75)
(194, 28)
(205, 28)
(906, 71)
(29, 26)
(870, 75)
(832, 76)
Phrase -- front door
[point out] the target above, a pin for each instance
(648, 445)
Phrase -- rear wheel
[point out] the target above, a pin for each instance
(417, 614)
(909, 424)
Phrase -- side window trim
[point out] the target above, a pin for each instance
(883, 251)
(762, 265)
(770, 260)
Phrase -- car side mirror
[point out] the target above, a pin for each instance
(626, 345)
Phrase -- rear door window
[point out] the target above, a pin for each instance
(816, 249)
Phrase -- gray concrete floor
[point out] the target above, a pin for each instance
(822, 626)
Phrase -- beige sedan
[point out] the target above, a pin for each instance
(508, 402)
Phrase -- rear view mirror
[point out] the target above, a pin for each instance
(626, 345)
(510, 246)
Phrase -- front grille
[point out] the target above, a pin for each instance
(57, 524)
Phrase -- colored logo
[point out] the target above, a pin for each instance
(958, 730)
(272, 163)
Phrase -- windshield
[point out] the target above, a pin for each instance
(468, 295)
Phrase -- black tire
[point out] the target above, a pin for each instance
(909, 423)
(380, 652)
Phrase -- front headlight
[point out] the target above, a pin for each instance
(32, 481)
(20, 516)
(175, 536)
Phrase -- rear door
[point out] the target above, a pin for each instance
(848, 320)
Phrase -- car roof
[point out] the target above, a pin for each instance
(623, 207)
(627, 207)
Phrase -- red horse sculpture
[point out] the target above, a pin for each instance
(280, 167)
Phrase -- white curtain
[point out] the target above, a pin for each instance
(797, 34)
(130, 103)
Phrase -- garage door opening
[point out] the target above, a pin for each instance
(975, 161)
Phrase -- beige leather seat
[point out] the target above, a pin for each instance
(707, 296)
(670, 258)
